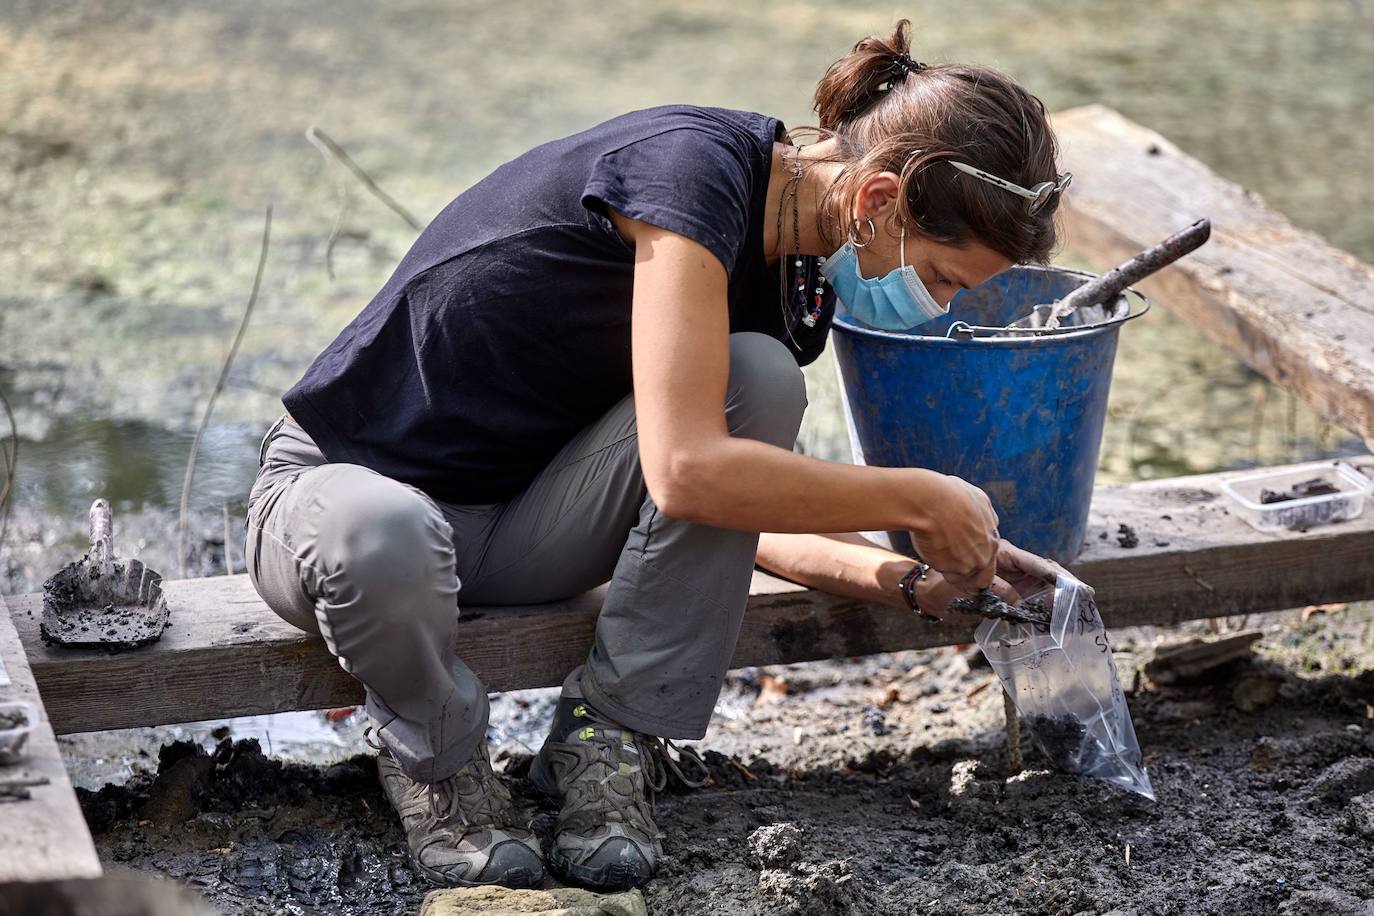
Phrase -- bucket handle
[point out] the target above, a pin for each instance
(962, 330)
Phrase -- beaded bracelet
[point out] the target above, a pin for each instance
(908, 589)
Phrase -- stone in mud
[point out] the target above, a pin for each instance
(1325, 902)
(965, 783)
(1359, 816)
(1343, 780)
(1253, 692)
(874, 721)
(812, 890)
(776, 846)
(1267, 754)
(1031, 778)
(500, 901)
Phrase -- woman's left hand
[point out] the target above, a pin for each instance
(1020, 573)
(1023, 570)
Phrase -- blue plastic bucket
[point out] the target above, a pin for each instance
(1019, 416)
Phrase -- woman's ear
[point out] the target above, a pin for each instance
(877, 198)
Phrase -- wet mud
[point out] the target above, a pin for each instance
(1062, 740)
(1126, 536)
(874, 785)
(1301, 490)
(986, 604)
(256, 835)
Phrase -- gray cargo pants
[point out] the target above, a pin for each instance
(378, 568)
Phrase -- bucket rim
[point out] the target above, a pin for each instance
(1111, 325)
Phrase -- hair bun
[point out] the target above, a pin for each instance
(860, 78)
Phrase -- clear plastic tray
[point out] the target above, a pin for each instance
(1303, 512)
(12, 740)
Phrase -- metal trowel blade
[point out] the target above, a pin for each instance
(120, 609)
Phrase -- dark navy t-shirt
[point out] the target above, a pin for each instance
(506, 328)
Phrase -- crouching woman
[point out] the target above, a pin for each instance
(587, 369)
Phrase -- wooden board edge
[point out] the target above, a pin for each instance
(44, 837)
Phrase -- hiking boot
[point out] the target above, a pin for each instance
(461, 830)
(606, 776)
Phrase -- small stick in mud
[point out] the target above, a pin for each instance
(1013, 734)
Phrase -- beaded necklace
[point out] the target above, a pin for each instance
(803, 285)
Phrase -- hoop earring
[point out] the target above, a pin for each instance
(872, 233)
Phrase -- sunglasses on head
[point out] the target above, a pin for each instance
(1036, 197)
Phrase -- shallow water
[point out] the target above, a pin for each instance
(139, 144)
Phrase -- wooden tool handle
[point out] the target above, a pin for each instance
(102, 535)
(1108, 286)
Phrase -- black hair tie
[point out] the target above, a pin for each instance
(902, 65)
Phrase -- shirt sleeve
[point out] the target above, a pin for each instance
(685, 180)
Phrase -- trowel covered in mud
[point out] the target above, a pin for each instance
(101, 601)
(1101, 292)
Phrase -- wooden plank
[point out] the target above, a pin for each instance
(228, 655)
(43, 837)
(1296, 309)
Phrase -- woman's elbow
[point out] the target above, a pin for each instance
(679, 485)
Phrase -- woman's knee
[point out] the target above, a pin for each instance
(766, 396)
(377, 536)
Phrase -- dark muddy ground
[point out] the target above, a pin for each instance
(868, 786)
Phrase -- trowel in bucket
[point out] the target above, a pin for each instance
(1104, 289)
(101, 601)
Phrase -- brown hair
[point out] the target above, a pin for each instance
(907, 124)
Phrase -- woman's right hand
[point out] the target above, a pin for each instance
(959, 537)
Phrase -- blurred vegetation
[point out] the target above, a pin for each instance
(139, 143)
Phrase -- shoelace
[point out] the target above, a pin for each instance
(486, 809)
(654, 752)
(659, 763)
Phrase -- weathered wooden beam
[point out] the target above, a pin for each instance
(1294, 308)
(227, 654)
(43, 837)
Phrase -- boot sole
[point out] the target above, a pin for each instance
(617, 876)
(517, 879)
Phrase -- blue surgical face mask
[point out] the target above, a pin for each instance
(896, 302)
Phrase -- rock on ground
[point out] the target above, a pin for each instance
(558, 901)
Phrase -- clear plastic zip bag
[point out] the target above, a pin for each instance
(1065, 687)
